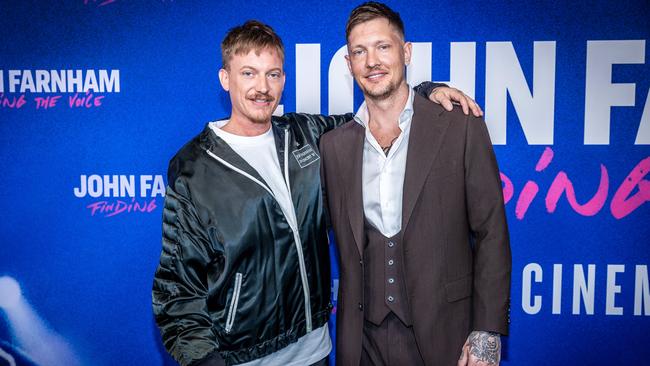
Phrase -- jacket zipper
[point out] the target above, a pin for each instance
(230, 319)
(296, 235)
(294, 229)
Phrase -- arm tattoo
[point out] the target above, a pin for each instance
(485, 346)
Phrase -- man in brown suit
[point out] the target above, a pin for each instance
(423, 241)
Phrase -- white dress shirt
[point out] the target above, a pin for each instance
(383, 175)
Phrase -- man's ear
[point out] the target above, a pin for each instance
(224, 79)
(347, 61)
(408, 50)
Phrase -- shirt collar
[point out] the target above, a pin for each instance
(405, 116)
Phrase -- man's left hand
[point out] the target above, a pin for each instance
(481, 349)
(445, 95)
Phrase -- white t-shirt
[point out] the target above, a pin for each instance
(260, 153)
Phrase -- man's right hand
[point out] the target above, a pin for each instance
(481, 349)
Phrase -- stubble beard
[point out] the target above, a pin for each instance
(261, 119)
(381, 93)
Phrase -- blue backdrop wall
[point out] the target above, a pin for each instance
(96, 96)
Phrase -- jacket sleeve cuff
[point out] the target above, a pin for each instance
(425, 88)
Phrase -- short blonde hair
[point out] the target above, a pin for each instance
(252, 35)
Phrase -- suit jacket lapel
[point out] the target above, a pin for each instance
(349, 153)
(428, 128)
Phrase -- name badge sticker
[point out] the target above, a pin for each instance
(305, 156)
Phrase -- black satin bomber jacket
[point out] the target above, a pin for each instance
(234, 277)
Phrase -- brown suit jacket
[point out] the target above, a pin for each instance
(456, 250)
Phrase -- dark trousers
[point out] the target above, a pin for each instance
(389, 344)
